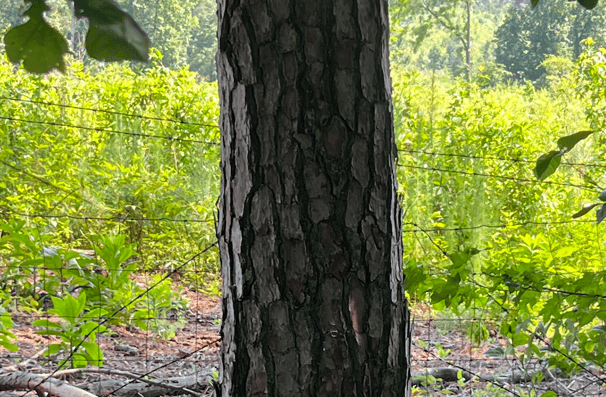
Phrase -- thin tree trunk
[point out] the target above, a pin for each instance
(468, 42)
(309, 227)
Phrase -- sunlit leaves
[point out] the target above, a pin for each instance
(35, 43)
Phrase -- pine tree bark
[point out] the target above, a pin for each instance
(310, 226)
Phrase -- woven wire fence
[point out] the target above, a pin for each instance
(158, 332)
(461, 352)
(147, 350)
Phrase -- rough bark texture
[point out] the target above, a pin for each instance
(309, 226)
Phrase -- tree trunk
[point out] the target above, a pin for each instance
(468, 42)
(309, 226)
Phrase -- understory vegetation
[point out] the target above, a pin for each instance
(110, 177)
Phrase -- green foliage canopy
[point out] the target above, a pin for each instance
(558, 27)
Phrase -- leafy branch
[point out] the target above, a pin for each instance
(113, 35)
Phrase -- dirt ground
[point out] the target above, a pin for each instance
(196, 347)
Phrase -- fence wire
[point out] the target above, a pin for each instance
(448, 355)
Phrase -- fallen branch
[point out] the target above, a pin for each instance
(151, 388)
(163, 384)
(40, 384)
(45, 383)
(25, 363)
(448, 374)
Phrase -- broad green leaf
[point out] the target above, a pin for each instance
(94, 352)
(46, 323)
(547, 164)
(90, 328)
(495, 352)
(50, 332)
(35, 43)
(68, 308)
(7, 344)
(52, 349)
(113, 35)
(81, 302)
(549, 393)
(589, 4)
(566, 143)
(79, 360)
(601, 214)
(110, 43)
(95, 313)
(585, 210)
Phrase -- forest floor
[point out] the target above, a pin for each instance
(196, 346)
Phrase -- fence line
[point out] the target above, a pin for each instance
(116, 218)
(102, 129)
(140, 116)
(500, 177)
(416, 227)
(124, 306)
(511, 159)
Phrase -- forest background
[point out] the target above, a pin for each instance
(122, 160)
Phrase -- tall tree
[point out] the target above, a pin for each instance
(309, 226)
(528, 35)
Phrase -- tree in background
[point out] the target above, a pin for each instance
(202, 49)
(527, 36)
(169, 24)
(183, 30)
(450, 36)
(309, 225)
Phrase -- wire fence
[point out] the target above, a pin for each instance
(173, 347)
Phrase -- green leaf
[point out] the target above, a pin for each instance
(69, 308)
(35, 43)
(79, 360)
(46, 323)
(8, 345)
(495, 352)
(52, 349)
(549, 393)
(585, 210)
(534, 3)
(50, 332)
(460, 259)
(601, 214)
(94, 352)
(113, 34)
(547, 164)
(566, 143)
(95, 313)
(589, 4)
